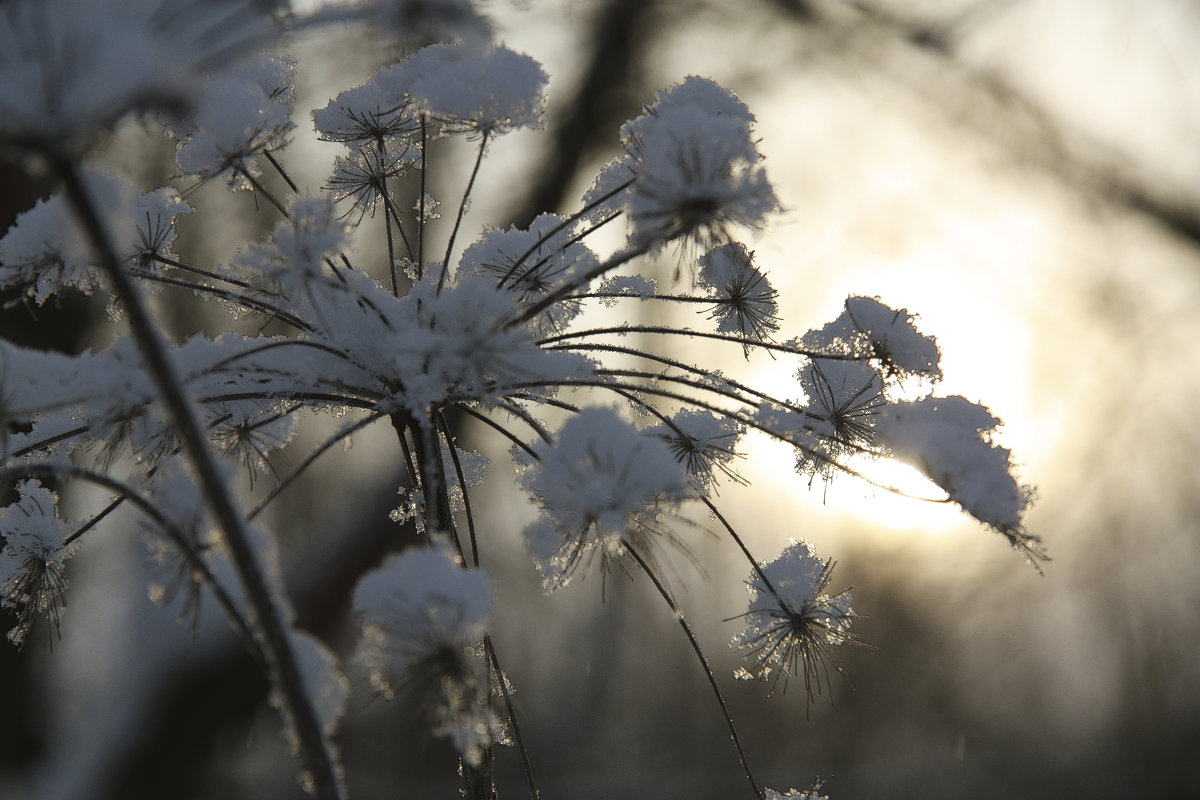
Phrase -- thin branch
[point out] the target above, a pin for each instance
(282, 172)
(512, 718)
(324, 447)
(318, 761)
(260, 189)
(462, 485)
(703, 659)
(462, 207)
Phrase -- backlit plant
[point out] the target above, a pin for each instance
(614, 428)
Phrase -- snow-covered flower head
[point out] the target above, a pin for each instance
(456, 346)
(703, 443)
(239, 114)
(69, 69)
(792, 623)
(532, 263)
(844, 397)
(46, 251)
(744, 301)
(31, 563)
(364, 177)
(695, 167)
(867, 328)
(248, 432)
(424, 619)
(492, 90)
(295, 254)
(951, 440)
(600, 488)
(373, 113)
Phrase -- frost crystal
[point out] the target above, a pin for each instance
(628, 286)
(811, 793)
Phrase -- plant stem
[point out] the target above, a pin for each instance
(462, 207)
(712, 681)
(316, 759)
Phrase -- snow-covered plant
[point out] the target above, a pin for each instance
(615, 429)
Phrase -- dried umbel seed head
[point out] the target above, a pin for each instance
(792, 623)
(31, 563)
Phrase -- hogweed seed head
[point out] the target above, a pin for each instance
(31, 563)
(792, 624)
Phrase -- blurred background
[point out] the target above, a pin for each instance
(1022, 174)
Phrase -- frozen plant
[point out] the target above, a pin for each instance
(614, 437)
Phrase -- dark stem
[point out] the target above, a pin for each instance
(462, 485)
(317, 760)
(282, 172)
(258, 187)
(512, 718)
(341, 435)
(566, 223)
(703, 659)
(421, 205)
(462, 207)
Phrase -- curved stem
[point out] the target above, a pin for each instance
(462, 207)
(345, 433)
(171, 262)
(462, 485)
(566, 223)
(390, 209)
(615, 260)
(722, 337)
(260, 189)
(233, 297)
(703, 659)
(317, 759)
(164, 524)
(745, 550)
(534, 793)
